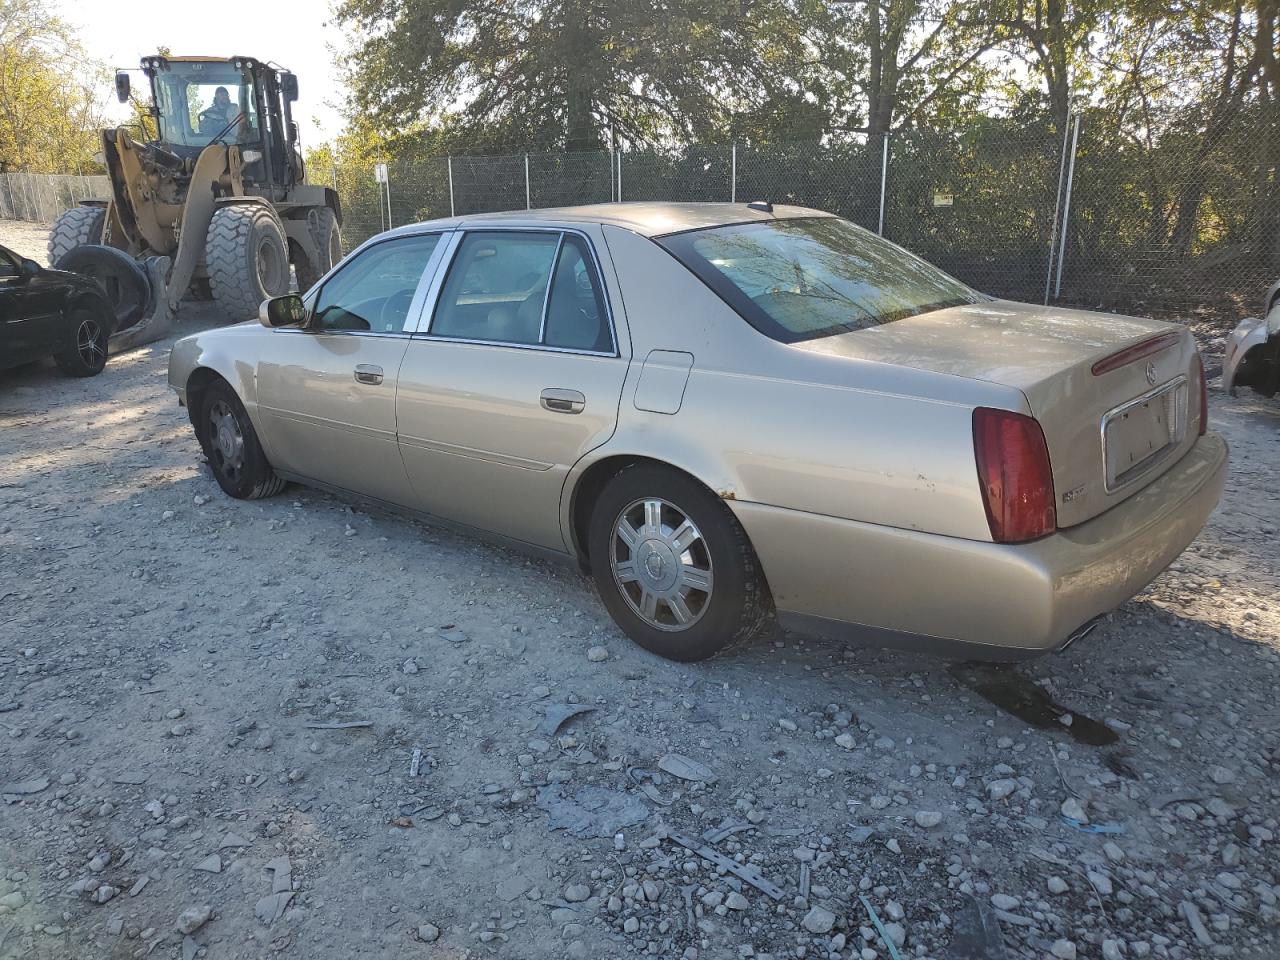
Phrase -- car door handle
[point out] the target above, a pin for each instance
(368, 373)
(558, 400)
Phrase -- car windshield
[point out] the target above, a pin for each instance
(809, 277)
(200, 100)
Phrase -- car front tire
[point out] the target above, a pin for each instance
(231, 445)
(673, 565)
(86, 355)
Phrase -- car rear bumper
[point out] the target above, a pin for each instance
(969, 598)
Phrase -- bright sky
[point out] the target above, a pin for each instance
(296, 34)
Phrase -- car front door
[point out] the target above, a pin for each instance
(28, 327)
(517, 375)
(326, 392)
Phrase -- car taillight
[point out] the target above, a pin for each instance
(1204, 394)
(1013, 468)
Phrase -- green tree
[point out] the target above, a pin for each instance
(912, 62)
(568, 74)
(49, 108)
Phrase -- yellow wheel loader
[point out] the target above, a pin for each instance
(215, 207)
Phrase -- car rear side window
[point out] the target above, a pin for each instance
(525, 288)
(497, 287)
(798, 279)
(576, 318)
(373, 291)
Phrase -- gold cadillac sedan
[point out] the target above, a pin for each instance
(728, 414)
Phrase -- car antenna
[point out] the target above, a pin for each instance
(763, 206)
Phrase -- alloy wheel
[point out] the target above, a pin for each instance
(90, 343)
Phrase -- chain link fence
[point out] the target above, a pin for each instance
(1184, 227)
(41, 197)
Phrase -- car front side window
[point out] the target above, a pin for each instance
(8, 266)
(373, 292)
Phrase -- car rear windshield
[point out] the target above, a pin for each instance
(810, 277)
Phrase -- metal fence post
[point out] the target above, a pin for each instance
(733, 173)
(884, 173)
(33, 209)
(451, 213)
(1057, 208)
(1066, 209)
(619, 176)
(528, 195)
(389, 223)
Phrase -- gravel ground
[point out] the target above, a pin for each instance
(172, 663)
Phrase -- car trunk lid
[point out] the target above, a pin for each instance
(1114, 395)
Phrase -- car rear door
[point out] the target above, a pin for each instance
(515, 374)
(326, 393)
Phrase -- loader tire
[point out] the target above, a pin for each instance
(247, 258)
(75, 228)
(329, 239)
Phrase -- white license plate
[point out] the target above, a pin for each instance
(1138, 434)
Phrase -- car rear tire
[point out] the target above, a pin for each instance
(231, 444)
(673, 565)
(87, 354)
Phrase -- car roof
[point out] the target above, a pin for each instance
(650, 219)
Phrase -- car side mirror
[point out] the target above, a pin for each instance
(289, 86)
(122, 86)
(286, 311)
(28, 268)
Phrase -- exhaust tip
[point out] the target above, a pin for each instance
(1080, 634)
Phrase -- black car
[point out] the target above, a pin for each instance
(52, 313)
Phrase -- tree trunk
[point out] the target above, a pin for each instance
(875, 71)
(580, 131)
(1057, 70)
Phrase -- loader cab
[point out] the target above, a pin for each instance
(238, 101)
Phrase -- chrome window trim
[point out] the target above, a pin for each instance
(341, 333)
(1177, 432)
(546, 294)
(518, 346)
(433, 301)
(426, 310)
(407, 328)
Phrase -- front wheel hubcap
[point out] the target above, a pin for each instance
(228, 440)
(661, 564)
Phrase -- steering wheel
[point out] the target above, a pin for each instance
(394, 310)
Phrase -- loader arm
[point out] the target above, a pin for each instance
(170, 276)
